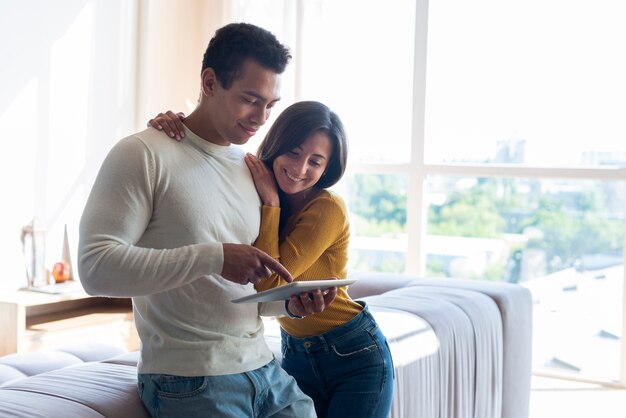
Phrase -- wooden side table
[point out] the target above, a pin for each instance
(32, 321)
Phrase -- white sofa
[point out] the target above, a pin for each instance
(461, 348)
(470, 351)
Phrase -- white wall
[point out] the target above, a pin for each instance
(77, 76)
(67, 94)
(172, 40)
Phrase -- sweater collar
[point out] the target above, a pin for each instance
(204, 145)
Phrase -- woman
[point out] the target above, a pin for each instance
(339, 356)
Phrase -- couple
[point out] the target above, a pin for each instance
(171, 225)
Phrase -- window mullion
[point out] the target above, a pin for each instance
(416, 202)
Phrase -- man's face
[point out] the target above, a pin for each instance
(239, 112)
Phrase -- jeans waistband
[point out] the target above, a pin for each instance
(363, 321)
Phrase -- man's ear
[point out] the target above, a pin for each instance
(209, 81)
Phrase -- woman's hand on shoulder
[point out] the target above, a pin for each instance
(264, 181)
(171, 123)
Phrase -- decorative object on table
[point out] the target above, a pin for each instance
(62, 270)
(34, 247)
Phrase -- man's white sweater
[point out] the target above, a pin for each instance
(153, 229)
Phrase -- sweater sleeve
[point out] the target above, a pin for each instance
(115, 217)
(317, 228)
(269, 231)
(272, 308)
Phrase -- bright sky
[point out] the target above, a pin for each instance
(548, 71)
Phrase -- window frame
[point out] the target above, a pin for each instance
(417, 172)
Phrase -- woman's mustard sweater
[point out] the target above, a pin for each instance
(314, 247)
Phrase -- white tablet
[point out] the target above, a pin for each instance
(284, 292)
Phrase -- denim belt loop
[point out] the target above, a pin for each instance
(362, 321)
(287, 345)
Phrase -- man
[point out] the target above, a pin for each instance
(171, 225)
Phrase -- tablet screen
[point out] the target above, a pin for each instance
(284, 292)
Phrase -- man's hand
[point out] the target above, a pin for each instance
(245, 264)
(315, 301)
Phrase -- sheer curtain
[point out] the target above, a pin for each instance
(78, 76)
(68, 93)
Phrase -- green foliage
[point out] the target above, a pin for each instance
(390, 262)
(567, 235)
(379, 198)
(435, 267)
(464, 219)
(376, 228)
(568, 224)
(493, 272)
(472, 213)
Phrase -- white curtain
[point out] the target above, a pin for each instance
(68, 93)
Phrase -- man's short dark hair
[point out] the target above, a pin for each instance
(237, 42)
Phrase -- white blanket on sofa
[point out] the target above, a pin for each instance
(457, 351)
(446, 346)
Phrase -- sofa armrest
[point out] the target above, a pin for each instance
(515, 305)
(370, 284)
(516, 308)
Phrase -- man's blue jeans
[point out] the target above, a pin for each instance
(348, 371)
(264, 392)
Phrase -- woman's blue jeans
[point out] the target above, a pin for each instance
(348, 371)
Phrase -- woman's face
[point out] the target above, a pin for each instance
(301, 168)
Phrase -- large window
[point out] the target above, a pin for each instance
(524, 146)
(487, 141)
(563, 239)
(534, 83)
(360, 63)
